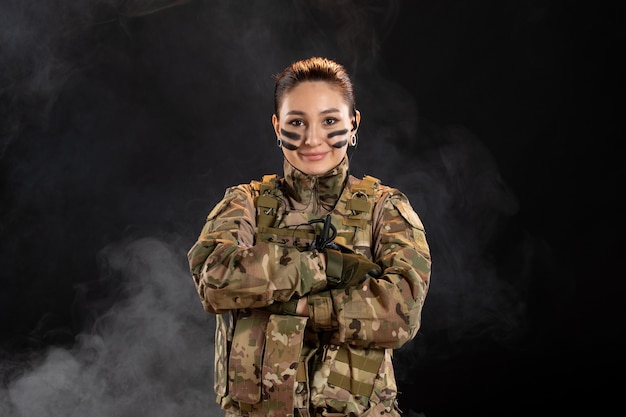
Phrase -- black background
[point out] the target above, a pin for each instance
(124, 121)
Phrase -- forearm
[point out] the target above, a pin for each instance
(372, 315)
(233, 277)
(383, 312)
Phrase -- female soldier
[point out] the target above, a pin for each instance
(315, 276)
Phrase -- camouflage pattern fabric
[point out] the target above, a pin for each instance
(223, 338)
(347, 328)
(284, 337)
(246, 356)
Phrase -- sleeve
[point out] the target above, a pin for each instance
(383, 312)
(232, 271)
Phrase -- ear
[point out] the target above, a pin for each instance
(276, 125)
(356, 121)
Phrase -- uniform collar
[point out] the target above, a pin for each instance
(322, 189)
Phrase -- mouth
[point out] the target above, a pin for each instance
(310, 156)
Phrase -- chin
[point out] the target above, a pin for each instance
(315, 170)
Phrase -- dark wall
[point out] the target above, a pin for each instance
(122, 122)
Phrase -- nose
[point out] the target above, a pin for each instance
(313, 137)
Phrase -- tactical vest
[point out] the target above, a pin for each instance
(351, 217)
(249, 373)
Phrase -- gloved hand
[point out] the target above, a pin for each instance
(345, 270)
(283, 307)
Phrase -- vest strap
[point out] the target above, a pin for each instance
(293, 233)
(266, 203)
(355, 371)
(361, 201)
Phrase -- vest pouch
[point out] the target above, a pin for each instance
(223, 338)
(246, 356)
(355, 370)
(344, 380)
(283, 344)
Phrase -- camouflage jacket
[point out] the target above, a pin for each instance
(342, 353)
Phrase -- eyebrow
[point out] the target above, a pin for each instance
(301, 113)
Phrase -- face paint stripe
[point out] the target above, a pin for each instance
(296, 136)
(291, 135)
(340, 144)
(289, 146)
(337, 133)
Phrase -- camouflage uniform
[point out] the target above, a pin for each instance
(337, 361)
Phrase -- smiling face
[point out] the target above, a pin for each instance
(315, 124)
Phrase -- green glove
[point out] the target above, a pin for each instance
(283, 307)
(345, 270)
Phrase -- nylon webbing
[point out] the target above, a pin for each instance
(360, 202)
(356, 362)
(266, 202)
(360, 361)
(355, 387)
(287, 232)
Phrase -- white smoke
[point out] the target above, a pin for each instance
(150, 354)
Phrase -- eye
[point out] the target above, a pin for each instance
(296, 123)
(330, 121)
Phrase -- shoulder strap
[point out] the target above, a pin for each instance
(361, 201)
(265, 201)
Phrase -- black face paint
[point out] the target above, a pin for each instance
(296, 136)
(337, 133)
(292, 136)
(340, 144)
(289, 146)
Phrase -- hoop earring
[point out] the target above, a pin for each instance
(279, 142)
(353, 140)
